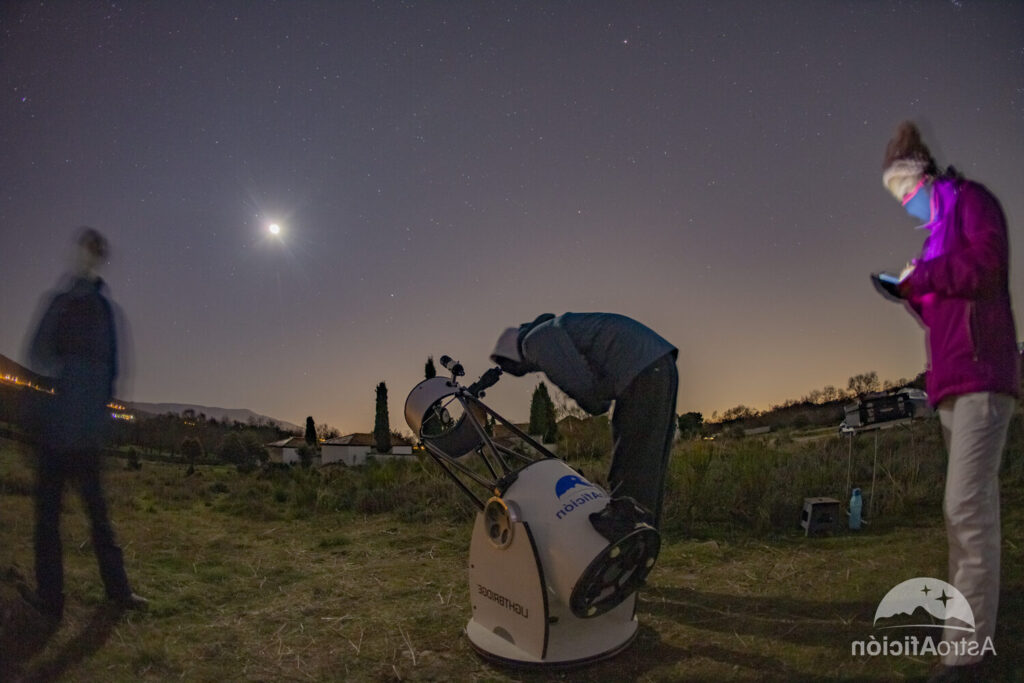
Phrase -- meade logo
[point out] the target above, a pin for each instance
(569, 482)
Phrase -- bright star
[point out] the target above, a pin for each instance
(274, 228)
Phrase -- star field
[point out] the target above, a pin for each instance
(443, 170)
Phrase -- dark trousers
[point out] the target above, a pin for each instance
(643, 428)
(83, 468)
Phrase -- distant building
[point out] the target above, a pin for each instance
(503, 432)
(286, 451)
(509, 439)
(354, 449)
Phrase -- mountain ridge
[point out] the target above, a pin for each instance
(243, 415)
(13, 368)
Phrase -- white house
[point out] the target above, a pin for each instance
(286, 451)
(354, 449)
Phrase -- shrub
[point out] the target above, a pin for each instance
(757, 486)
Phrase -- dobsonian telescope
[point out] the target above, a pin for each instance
(554, 560)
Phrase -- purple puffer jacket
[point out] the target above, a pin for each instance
(960, 290)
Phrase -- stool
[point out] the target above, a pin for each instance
(820, 515)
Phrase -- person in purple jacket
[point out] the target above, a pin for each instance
(958, 288)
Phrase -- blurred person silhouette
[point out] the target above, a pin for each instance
(75, 344)
(598, 358)
(958, 287)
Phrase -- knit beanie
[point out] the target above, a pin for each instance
(507, 346)
(907, 160)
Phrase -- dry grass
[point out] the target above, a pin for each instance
(336, 595)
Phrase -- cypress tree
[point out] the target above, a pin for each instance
(550, 422)
(310, 431)
(542, 415)
(381, 425)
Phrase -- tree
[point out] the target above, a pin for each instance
(429, 370)
(740, 412)
(232, 450)
(551, 433)
(381, 425)
(537, 410)
(542, 415)
(690, 424)
(191, 449)
(864, 383)
(325, 431)
(310, 432)
(254, 448)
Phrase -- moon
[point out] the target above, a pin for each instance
(274, 229)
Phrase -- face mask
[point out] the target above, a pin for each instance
(919, 202)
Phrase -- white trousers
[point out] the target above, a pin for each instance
(974, 427)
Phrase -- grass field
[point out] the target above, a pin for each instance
(246, 585)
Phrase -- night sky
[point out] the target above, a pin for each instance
(442, 170)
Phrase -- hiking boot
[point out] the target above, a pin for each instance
(620, 517)
(132, 601)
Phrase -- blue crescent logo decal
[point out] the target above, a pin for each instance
(569, 481)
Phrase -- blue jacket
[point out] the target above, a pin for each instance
(592, 357)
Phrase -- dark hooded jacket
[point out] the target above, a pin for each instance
(592, 357)
(76, 346)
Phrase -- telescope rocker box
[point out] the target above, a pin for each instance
(553, 566)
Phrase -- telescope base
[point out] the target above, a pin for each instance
(518, 621)
(493, 648)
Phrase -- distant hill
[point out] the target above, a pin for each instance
(14, 369)
(243, 415)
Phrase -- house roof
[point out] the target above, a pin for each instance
(351, 440)
(290, 442)
(503, 432)
(362, 439)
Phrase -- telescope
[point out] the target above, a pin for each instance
(554, 559)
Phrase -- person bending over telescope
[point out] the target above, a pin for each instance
(598, 358)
